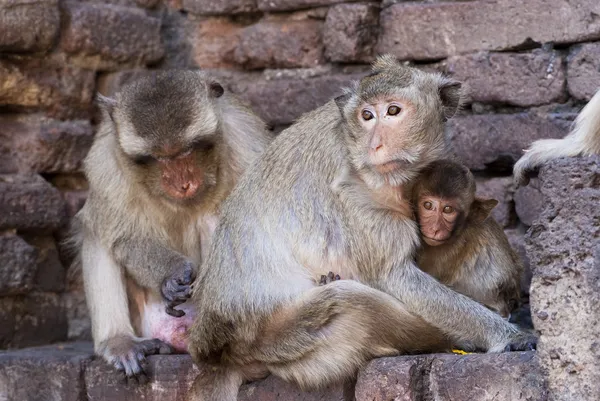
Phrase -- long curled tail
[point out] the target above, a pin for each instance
(584, 139)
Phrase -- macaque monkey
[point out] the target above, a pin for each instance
(169, 149)
(584, 140)
(327, 196)
(462, 245)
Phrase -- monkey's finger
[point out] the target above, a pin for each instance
(165, 349)
(187, 278)
(174, 312)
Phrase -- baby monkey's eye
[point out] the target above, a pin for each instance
(366, 115)
(448, 209)
(393, 110)
(428, 205)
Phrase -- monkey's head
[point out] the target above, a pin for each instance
(167, 128)
(394, 120)
(445, 202)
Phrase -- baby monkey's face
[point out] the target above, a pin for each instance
(437, 218)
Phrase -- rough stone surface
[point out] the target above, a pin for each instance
(391, 379)
(34, 319)
(516, 238)
(19, 266)
(519, 79)
(286, 5)
(60, 89)
(217, 7)
(50, 273)
(78, 319)
(425, 31)
(496, 141)
(28, 25)
(214, 41)
(34, 143)
(529, 202)
(501, 189)
(106, 36)
(565, 255)
(28, 203)
(504, 377)
(350, 32)
(50, 373)
(280, 44)
(583, 71)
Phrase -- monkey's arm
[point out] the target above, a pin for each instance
(455, 314)
(157, 267)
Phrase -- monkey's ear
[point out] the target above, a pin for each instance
(481, 209)
(216, 89)
(106, 104)
(451, 95)
(342, 101)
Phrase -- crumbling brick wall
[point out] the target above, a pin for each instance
(529, 67)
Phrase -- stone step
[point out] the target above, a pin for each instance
(69, 372)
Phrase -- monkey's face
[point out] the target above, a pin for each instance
(438, 218)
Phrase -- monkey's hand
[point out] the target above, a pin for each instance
(177, 288)
(521, 341)
(128, 354)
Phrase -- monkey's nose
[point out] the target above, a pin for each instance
(185, 186)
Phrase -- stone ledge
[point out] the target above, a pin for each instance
(78, 376)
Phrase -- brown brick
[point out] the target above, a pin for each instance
(280, 44)
(219, 7)
(496, 141)
(51, 84)
(214, 41)
(350, 32)
(425, 31)
(107, 37)
(519, 79)
(34, 143)
(28, 25)
(50, 373)
(510, 376)
(28, 203)
(287, 5)
(37, 319)
(19, 265)
(583, 73)
(395, 379)
(501, 189)
(50, 273)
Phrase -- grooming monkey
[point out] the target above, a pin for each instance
(584, 140)
(462, 246)
(169, 149)
(327, 196)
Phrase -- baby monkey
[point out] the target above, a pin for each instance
(462, 246)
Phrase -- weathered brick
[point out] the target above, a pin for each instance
(37, 319)
(287, 5)
(516, 238)
(50, 373)
(78, 319)
(565, 256)
(274, 388)
(496, 141)
(107, 37)
(520, 79)
(280, 44)
(28, 25)
(501, 189)
(219, 7)
(19, 265)
(390, 379)
(28, 203)
(34, 143)
(583, 73)
(350, 32)
(50, 273)
(51, 84)
(214, 41)
(426, 31)
(529, 202)
(510, 376)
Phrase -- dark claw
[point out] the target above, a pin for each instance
(174, 312)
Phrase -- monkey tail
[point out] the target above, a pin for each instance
(584, 139)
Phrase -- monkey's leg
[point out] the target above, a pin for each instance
(357, 322)
(216, 383)
(106, 296)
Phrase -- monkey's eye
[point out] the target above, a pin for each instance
(393, 110)
(428, 205)
(203, 144)
(143, 160)
(448, 209)
(366, 115)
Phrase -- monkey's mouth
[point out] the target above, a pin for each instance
(391, 166)
(432, 241)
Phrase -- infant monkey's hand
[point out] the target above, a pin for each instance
(177, 288)
(326, 279)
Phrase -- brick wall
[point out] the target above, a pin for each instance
(529, 67)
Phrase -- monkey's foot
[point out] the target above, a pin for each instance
(326, 279)
(128, 355)
(523, 341)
